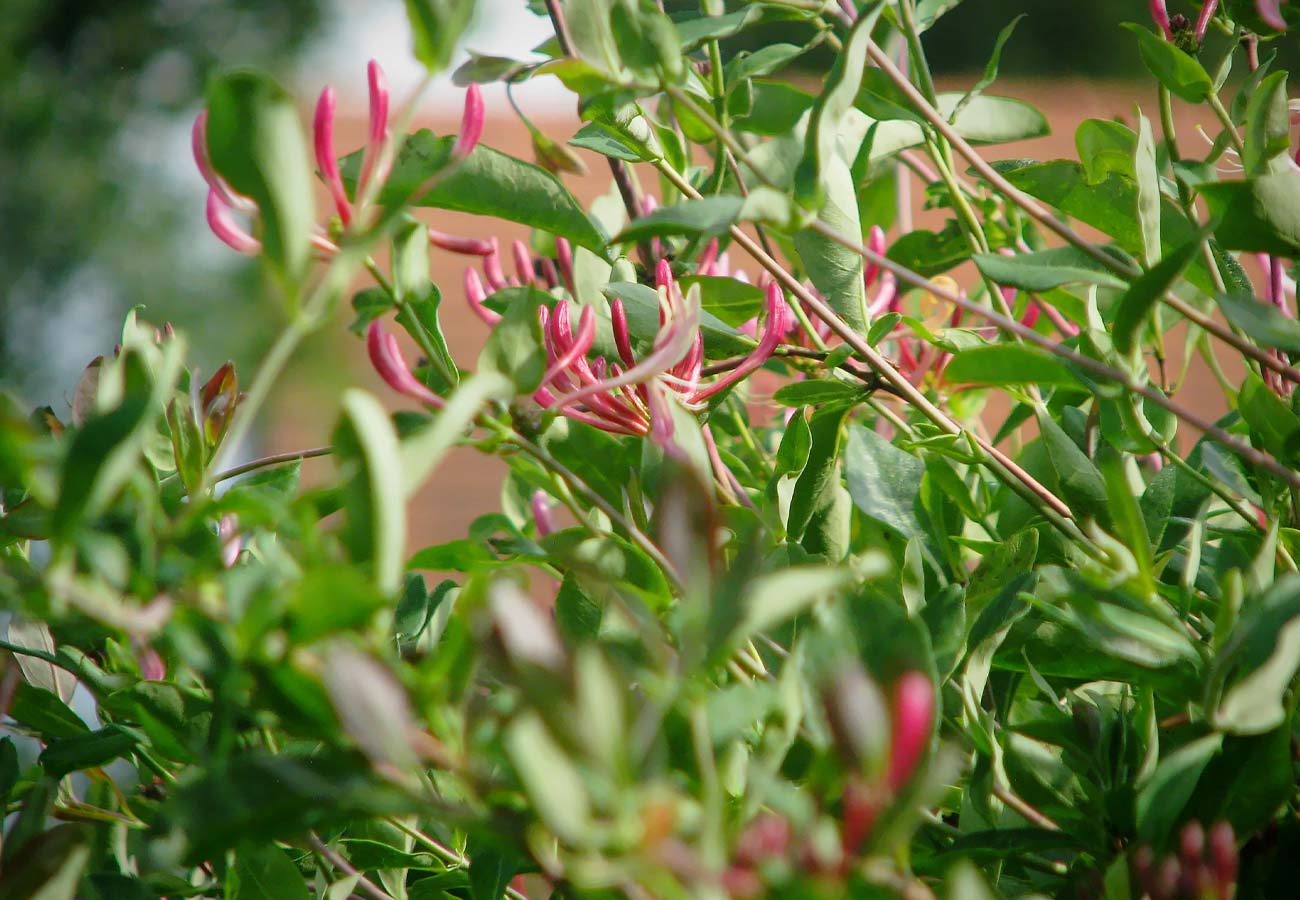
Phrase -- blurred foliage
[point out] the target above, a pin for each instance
(95, 94)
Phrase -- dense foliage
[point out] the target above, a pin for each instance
(836, 557)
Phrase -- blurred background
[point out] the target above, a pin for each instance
(101, 208)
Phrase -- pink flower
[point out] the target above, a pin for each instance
(634, 397)
(471, 124)
(1271, 12)
(326, 160)
(1160, 13)
(542, 516)
(388, 361)
(913, 724)
(1203, 21)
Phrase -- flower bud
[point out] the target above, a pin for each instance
(913, 725)
(1223, 856)
(542, 517)
(225, 227)
(1160, 15)
(471, 124)
(323, 135)
(387, 359)
(1271, 12)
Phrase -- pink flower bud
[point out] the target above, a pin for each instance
(199, 146)
(456, 244)
(387, 359)
(542, 517)
(769, 836)
(1160, 14)
(1223, 854)
(523, 261)
(471, 124)
(664, 275)
(1271, 12)
(778, 323)
(475, 294)
(1203, 21)
(323, 133)
(496, 276)
(861, 808)
(378, 126)
(564, 261)
(913, 725)
(876, 244)
(231, 542)
(622, 337)
(224, 226)
(708, 259)
(152, 667)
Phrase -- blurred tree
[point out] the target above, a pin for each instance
(94, 99)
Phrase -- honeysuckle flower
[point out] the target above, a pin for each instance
(1271, 12)
(634, 397)
(386, 357)
(377, 160)
(231, 542)
(1160, 15)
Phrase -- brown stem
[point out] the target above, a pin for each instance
(1020, 481)
(367, 887)
(1043, 216)
(1100, 369)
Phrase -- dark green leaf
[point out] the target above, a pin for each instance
(86, 751)
(708, 216)
(265, 873)
(1261, 321)
(820, 392)
(1260, 214)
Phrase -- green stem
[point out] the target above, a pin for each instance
(273, 460)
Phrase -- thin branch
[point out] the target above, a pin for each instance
(274, 459)
(368, 887)
(1044, 217)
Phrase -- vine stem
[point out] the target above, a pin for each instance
(1043, 216)
(1052, 507)
(1095, 367)
(335, 859)
(274, 459)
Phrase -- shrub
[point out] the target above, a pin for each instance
(884, 639)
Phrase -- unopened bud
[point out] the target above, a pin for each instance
(913, 725)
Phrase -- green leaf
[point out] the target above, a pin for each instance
(514, 348)
(1273, 424)
(436, 26)
(1000, 364)
(1258, 663)
(1105, 147)
(776, 598)
(550, 779)
(1147, 176)
(377, 520)
(265, 872)
(1262, 322)
(1134, 304)
(491, 872)
(762, 61)
(819, 392)
(1161, 800)
(1176, 70)
(422, 451)
(331, 599)
(486, 183)
(707, 216)
(1268, 126)
(43, 712)
(256, 144)
(732, 301)
(883, 480)
(931, 253)
(817, 488)
(86, 751)
(1080, 482)
(1260, 214)
(1046, 269)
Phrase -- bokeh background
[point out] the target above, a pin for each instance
(101, 208)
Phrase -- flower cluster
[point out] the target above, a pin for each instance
(377, 160)
(1203, 868)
